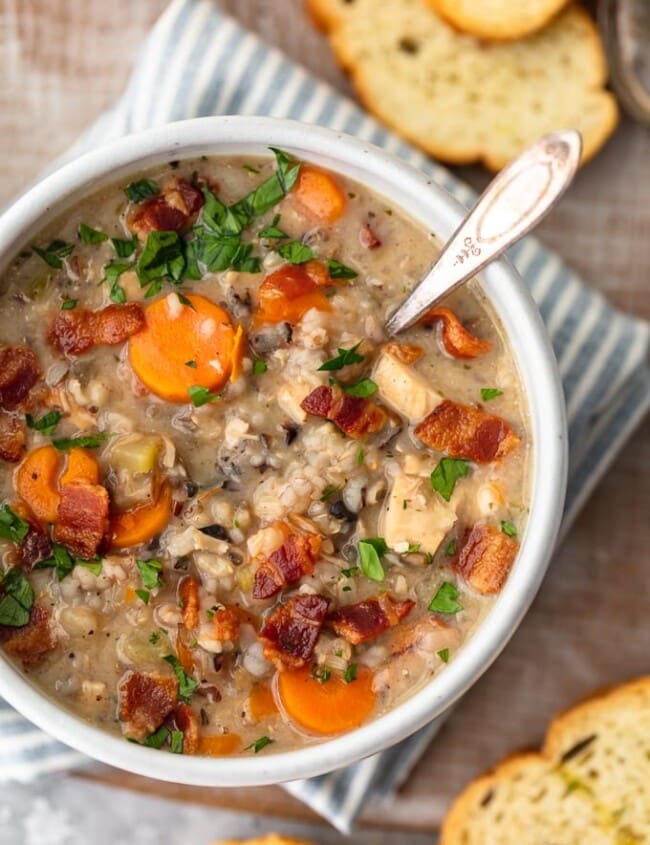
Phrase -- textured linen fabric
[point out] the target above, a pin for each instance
(198, 61)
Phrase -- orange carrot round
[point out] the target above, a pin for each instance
(182, 346)
(261, 703)
(219, 745)
(36, 482)
(141, 524)
(319, 194)
(329, 707)
(80, 466)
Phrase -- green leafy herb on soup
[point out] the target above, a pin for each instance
(237, 517)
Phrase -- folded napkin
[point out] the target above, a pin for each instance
(196, 62)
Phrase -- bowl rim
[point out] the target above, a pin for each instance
(425, 201)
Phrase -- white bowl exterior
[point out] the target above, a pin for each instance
(429, 204)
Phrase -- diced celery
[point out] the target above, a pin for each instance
(136, 453)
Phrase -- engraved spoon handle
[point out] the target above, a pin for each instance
(511, 205)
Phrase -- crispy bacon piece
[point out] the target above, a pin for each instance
(406, 353)
(463, 431)
(12, 436)
(145, 701)
(457, 340)
(226, 624)
(77, 331)
(286, 565)
(291, 631)
(31, 642)
(188, 593)
(185, 719)
(485, 558)
(82, 518)
(421, 636)
(170, 211)
(352, 414)
(367, 238)
(19, 372)
(35, 548)
(363, 621)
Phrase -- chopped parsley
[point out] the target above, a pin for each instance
(446, 474)
(12, 526)
(187, 685)
(508, 528)
(360, 456)
(143, 595)
(46, 424)
(371, 551)
(91, 236)
(18, 599)
(444, 600)
(124, 247)
(322, 675)
(296, 253)
(450, 548)
(154, 638)
(328, 492)
(69, 304)
(141, 190)
(364, 388)
(201, 395)
(272, 231)
(157, 739)
(191, 364)
(185, 301)
(488, 393)
(162, 260)
(259, 366)
(88, 441)
(443, 654)
(54, 253)
(344, 357)
(63, 562)
(259, 744)
(112, 272)
(412, 549)
(350, 673)
(351, 571)
(340, 271)
(150, 572)
(177, 739)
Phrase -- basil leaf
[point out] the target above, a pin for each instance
(343, 359)
(201, 395)
(259, 366)
(61, 560)
(95, 566)
(364, 388)
(350, 673)
(12, 613)
(162, 258)
(187, 686)
(446, 474)
(112, 271)
(370, 552)
(295, 252)
(54, 253)
(272, 231)
(12, 527)
(340, 271)
(259, 744)
(91, 236)
(185, 301)
(218, 217)
(444, 600)
(177, 739)
(488, 393)
(150, 572)
(143, 595)
(157, 739)
(443, 654)
(124, 247)
(69, 304)
(89, 441)
(141, 190)
(18, 599)
(46, 424)
(508, 528)
(270, 192)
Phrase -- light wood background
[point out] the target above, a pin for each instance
(63, 62)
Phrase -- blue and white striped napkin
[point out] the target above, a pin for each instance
(197, 62)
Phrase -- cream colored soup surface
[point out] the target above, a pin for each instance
(247, 471)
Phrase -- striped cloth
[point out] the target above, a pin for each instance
(199, 62)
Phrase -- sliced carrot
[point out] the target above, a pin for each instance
(319, 194)
(36, 482)
(326, 708)
(188, 593)
(219, 745)
(81, 466)
(182, 346)
(261, 703)
(287, 294)
(141, 524)
(238, 349)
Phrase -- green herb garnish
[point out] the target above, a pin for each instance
(450, 548)
(364, 388)
(191, 364)
(350, 673)
(259, 366)
(187, 686)
(360, 456)
(443, 654)
(371, 551)
(12, 527)
(350, 572)
(89, 441)
(157, 739)
(296, 253)
(125, 247)
(46, 424)
(177, 739)
(344, 357)
(328, 492)
(259, 744)
(444, 600)
(150, 572)
(323, 675)
(508, 528)
(161, 260)
(54, 253)
(143, 595)
(112, 271)
(272, 231)
(69, 304)
(201, 395)
(488, 393)
(446, 474)
(91, 236)
(18, 599)
(141, 190)
(154, 638)
(340, 271)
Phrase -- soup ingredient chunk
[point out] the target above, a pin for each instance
(82, 517)
(76, 331)
(291, 631)
(319, 194)
(457, 340)
(327, 707)
(37, 482)
(352, 414)
(400, 386)
(412, 515)
(145, 701)
(485, 557)
(286, 565)
(365, 620)
(19, 372)
(32, 641)
(289, 292)
(171, 210)
(463, 431)
(175, 333)
(142, 523)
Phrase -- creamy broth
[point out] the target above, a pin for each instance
(274, 513)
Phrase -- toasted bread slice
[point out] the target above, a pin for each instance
(589, 784)
(498, 20)
(460, 99)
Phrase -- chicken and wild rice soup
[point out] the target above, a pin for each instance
(237, 517)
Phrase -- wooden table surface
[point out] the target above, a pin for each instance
(61, 64)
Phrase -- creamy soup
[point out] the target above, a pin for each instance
(238, 517)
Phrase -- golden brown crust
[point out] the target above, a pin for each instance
(504, 21)
(270, 839)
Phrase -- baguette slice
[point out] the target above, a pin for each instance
(463, 100)
(498, 20)
(590, 784)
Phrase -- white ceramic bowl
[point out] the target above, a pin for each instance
(434, 208)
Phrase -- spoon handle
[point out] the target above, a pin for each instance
(511, 205)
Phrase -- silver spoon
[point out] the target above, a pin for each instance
(511, 205)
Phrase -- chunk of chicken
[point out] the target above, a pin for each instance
(402, 388)
(411, 514)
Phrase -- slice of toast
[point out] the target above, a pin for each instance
(463, 100)
(590, 784)
(498, 20)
